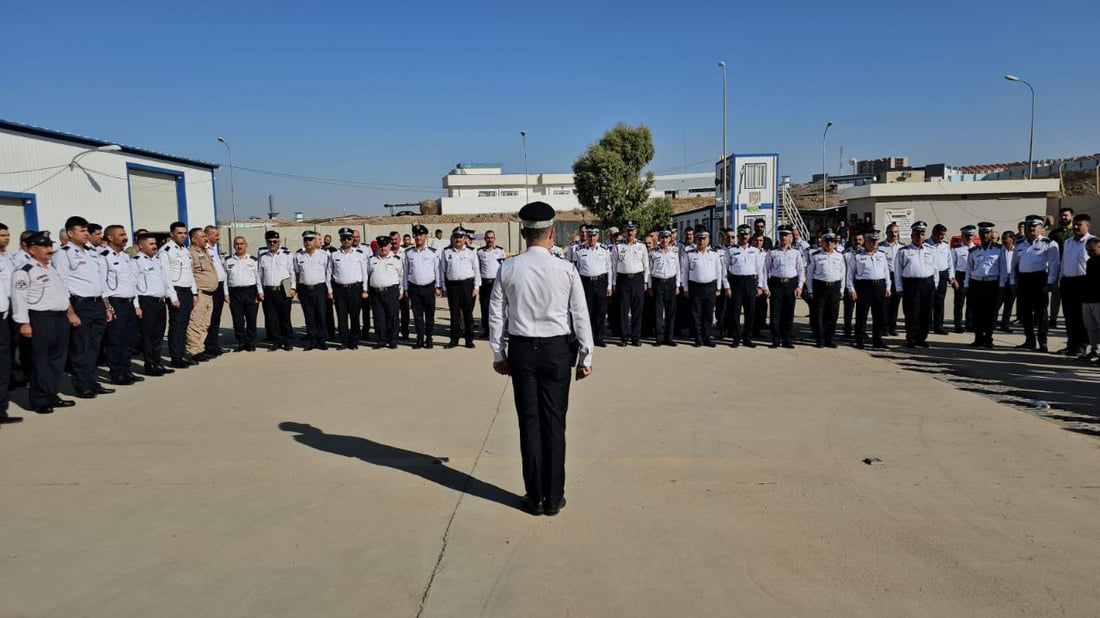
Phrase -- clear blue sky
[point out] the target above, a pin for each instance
(397, 93)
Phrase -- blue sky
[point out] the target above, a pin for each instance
(395, 94)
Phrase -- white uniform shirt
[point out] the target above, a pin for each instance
(35, 287)
(787, 264)
(5, 285)
(914, 262)
(489, 262)
(983, 263)
(1039, 256)
(219, 261)
(702, 267)
(20, 258)
(386, 271)
(243, 272)
(313, 269)
(274, 268)
(944, 256)
(890, 250)
(177, 267)
(630, 259)
(151, 276)
(80, 270)
(459, 266)
(743, 261)
(868, 266)
(1074, 256)
(421, 267)
(541, 296)
(829, 267)
(120, 275)
(959, 255)
(592, 261)
(350, 266)
(664, 265)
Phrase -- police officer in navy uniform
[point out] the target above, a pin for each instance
(548, 332)
(120, 284)
(959, 256)
(986, 273)
(423, 285)
(916, 278)
(593, 262)
(45, 315)
(386, 282)
(745, 277)
(489, 258)
(349, 288)
(870, 285)
(81, 272)
(278, 280)
(631, 261)
(1036, 263)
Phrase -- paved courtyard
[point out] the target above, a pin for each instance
(700, 483)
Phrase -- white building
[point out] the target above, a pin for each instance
(478, 188)
(47, 176)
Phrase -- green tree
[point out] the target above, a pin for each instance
(609, 180)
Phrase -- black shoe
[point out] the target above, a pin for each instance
(830, 344)
(99, 390)
(893, 332)
(63, 403)
(240, 348)
(622, 344)
(636, 343)
(670, 343)
(774, 345)
(309, 346)
(353, 346)
(165, 370)
(942, 331)
(418, 344)
(709, 344)
(553, 509)
(960, 329)
(818, 344)
(975, 344)
(124, 381)
(43, 410)
(201, 357)
(428, 344)
(154, 371)
(470, 344)
(181, 364)
(923, 344)
(84, 394)
(748, 344)
(601, 344)
(135, 378)
(451, 344)
(1043, 348)
(788, 345)
(378, 346)
(859, 345)
(534, 507)
(288, 346)
(1027, 345)
(10, 420)
(392, 346)
(322, 346)
(880, 345)
(697, 344)
(657, 343)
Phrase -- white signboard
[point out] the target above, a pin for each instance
(902, 216)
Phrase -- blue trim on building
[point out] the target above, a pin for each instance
(181, 188)
(30, 208)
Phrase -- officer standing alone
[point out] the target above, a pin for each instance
(542, 300)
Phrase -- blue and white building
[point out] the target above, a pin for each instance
(753, 190)
(47, 176)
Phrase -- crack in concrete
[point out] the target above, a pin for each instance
(458, 503)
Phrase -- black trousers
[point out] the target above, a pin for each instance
(870, 297)
(939, 299)
(892, 305)
(814, 322)
(460, 299)
(849, 309)
(483, 295)
(595, 297)
(404, 306)
(312, 299)
(541, 373)
(154, 318)
(211, 344)
(615, 314)
(649, 315)
(178, 317)
(683, 315)
(760, 317)
(348, 299)
(330, 318)
(782, 309)
(243, 306)
(6, 356)
(49, 344)
(85, 340)
(826, 302)
(702, 308)
(365, 322)
(1031, 305)
(422, 298)
(918, 308)
(277, 315)
(742, 300)
(1073, 292)
(630, 289)
(962, 310)
(982, 298)
(1005, 302)
(664, 308)
(385, 306)
(122, 332)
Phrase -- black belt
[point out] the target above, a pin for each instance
(345, 286)
(602, 277)
(182, 287)
(84, 299)
(207, 292)
(539, 339)
(829, 283)
(783, 279)
(385, 289)
(458, 281)
(629, 275)
(1074, 278)
(128, 299)
(664, 280)
(242, 287)
(743, 276)
(160, 298)
(698, 284)
(871, 280)
(425, 285)
(273, 288)
(52, 314)
(310, 287)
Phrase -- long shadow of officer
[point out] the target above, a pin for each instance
(428, 467)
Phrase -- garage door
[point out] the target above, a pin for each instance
(153, 200)
(12, 215)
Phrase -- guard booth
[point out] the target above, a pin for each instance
(753, 190)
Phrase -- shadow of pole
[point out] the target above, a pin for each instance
(428, 467)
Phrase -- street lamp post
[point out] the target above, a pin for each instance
(725, 172)
(1031, 132)
(526, 186)
(824, 173)
(106, 148)
(232, 192)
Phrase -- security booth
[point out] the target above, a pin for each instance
(753, 191)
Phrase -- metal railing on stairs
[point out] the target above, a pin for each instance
(789, 213)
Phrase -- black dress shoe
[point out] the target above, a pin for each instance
(709, 344)
(601, 344)
(830, 344)
(322, 346)
(135, 378)
(99, 390)
(84, 394)
(165, 370)
(201, 357)
(1027, 345)
(125, 381)
(10, 420)
(671, 344)
(788, 345)
(43, 410)
(288, 346)
(417, 345)
(636, 343)
(470, 344)
(774, 345)
(622, 344)
(240, 348)
(309, 346)
(180, 364)
(378, 346)
(533, 507)
(818, 344)
(923, 344)
(1043, 348)
(748, 344)
(63, 403)
(860, 345)
(697, 344)
(154, 371)
(428, 344)
(392, 346)
(941, 331)
(450, 345)
(553, 509)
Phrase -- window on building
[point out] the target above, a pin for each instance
(509, 193)
(563, 192)
(487, 193)
(756, 175)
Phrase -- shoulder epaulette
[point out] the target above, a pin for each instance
(358, 250)
(65, 247)
(283, 250)
(433, 249)
(27, 267)
(105, 252)
(302, 250)
(1045, 239)
(975, 247)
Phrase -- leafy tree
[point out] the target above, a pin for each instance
(609, 180)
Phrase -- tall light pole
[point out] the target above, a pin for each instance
(232, 192)
(725, 172)
(824, 173)
(526, 187)
(1031, 132)
(106, 148)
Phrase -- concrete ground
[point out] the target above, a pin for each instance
(700, 483)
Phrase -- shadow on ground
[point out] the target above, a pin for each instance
(428, 467)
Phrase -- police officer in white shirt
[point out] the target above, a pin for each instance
(211, 345)
(40, 305)
(945, 265)
(745, 276)
(1035, 268)
(959, 256)
(631, 260)
(664, 285)
(1072, 283)
(182, 290)
(786, 274)
(985, 274)
(81, 272)
(826, 281)
(278, 282)
(120, 285)
(422, 285)
(6, 350)
(312, 270)
(916, 277)
(386, 278)
(890, 247)
(152, 290)
(243, 284)
(461, 279)
(349, 283)
(702, 280)
(870, 284)
(548, 331)
(593, 262)
(489, 258)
